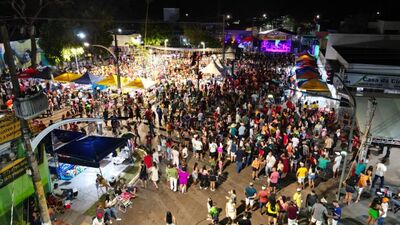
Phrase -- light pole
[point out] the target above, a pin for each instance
(224, 17)
(73, 50)
(165, 45)
(86, 44)
(116, 52)
(204, 47)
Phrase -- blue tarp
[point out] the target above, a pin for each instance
(63, 136)
(89, 151)
(87, 78)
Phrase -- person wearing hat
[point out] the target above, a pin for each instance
(336, 164)
(297, 198)
(383, 211)
(250, 193)
(301, 175)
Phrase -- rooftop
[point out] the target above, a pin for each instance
(376, 52)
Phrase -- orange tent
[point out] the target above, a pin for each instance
(313, 85)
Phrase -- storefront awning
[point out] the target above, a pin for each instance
(89, 151)
(313, 85)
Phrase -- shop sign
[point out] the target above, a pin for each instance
(12, 171)
(10, 128)
(372, 81)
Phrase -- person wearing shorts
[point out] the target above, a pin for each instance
(250, 193)
(301, 175)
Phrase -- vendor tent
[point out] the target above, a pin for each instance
(305, 57)
(112, 81)
(27, 73)
(87, 78)
(306, 69)
(140, 83)
(314, 85)
(67, 77)
(44, 73)
(307, 75)
(89, 151)
(212, 68)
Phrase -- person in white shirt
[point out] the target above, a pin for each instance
(383, 211)
(185, 152)
(336, 164)
(175, 156)
(379, 174)
(270, 162)
(295, 142)
(213, 150)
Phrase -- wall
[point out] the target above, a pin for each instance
(22, 188)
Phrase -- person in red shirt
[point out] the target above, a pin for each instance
(148, 160)
(292, 213)
(263, 196)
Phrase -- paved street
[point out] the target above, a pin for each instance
(190, 208)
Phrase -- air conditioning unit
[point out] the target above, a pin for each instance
(30, 106)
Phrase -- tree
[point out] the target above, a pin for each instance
(28, 11)
(56, 36)
(196, 34)
(157, 33)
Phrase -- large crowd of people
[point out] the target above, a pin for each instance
(246, 120)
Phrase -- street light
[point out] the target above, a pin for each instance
(165, 44)
(204, 47)
(265, 15)
(119, 30)
(81, 35)
(318, 16)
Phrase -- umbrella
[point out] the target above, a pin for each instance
(140, 83)
(87, 78)
(28, 73)
(67, 77)
(313, 85)
(112, 81)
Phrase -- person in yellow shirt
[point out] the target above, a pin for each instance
(256, 168)
(301, 175)
(297, 198)
(363, 183)
(272, 210)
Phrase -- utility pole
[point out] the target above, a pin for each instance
(350, 138)
(223, 38)
(116, 51)
(145, 24)
(37, 181)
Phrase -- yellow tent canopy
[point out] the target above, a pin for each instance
(314, 85)
(67, 77)
(112, 80)
(140, 83)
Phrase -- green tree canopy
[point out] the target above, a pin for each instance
(157, 33)
(196, 34)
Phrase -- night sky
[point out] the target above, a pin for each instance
(244, 10)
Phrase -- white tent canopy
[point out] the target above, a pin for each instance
(212, 68)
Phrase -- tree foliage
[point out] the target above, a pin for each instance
(56, 36)
(157, 33)
(196, 34)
